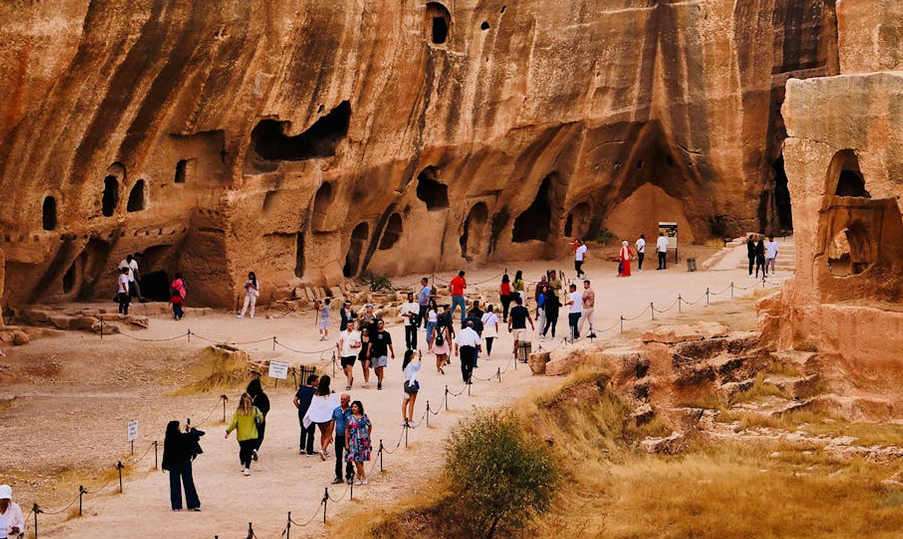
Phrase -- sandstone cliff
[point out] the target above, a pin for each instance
(313, 141)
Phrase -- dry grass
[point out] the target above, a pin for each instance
(6, 404)
(220, 369)
(760, 389)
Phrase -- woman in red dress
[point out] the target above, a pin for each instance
(624, 260)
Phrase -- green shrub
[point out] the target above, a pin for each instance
(499, 480)
(378, 281)
(604, 236)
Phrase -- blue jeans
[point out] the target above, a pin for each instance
(458, 300)
(430, 328)
(181, 474)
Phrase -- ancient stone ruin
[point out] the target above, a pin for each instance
(318, 141)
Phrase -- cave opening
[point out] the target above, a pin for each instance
(577, 221)
(782, 203)
(431, 191)
(569, 225)
(392, 233)
(439, 23)
(534, 222)
(181, 171)
(322, 200)
(137, 197)
(471, 240)
(69, 278)
(269, 141)
(353, 258)
(484, 26)
(299, 255)
(110, 195)
(155, 286)
(48, 213)
(851, 184)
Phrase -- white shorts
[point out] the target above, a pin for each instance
(519, 334)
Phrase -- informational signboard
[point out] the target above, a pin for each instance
(132, 431)
(669, 229)
(278, 370)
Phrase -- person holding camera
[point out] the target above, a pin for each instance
(179, 449)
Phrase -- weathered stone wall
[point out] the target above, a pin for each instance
(314, 141)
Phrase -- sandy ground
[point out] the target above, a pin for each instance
(74, 394)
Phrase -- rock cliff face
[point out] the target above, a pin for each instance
(315, 141)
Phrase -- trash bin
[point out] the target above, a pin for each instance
(691, 264)
(524, 349)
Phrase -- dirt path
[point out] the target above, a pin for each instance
(74, 418)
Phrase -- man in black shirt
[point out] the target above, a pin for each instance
(347, 316)
(517, 321)
(302, 401)
(380, 346)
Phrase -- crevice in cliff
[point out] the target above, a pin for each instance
(299, 255)
(322, 200)
(269, 142)
(499, 222)
(353, 258)
(392, 232)
(577, 222)
(474, 232)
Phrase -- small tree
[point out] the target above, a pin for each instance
(499, 480)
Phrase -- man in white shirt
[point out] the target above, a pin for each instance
(131, 262)
(771, 254)
(579, 257)
(661, 247)
(349, 346)
(11, 521)
(576, 308)
(410, 311)
(641, 251)
(467, 343)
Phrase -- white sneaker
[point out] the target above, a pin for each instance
(365, 482)
(247, 471)
(357, 481)
(239, 317)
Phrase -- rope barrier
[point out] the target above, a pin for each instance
(144, 339)
(46, 512)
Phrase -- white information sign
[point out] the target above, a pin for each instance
(278, 370)
(132, 431)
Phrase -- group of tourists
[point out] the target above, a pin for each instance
(761, 253)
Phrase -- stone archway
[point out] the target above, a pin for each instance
(356, 249)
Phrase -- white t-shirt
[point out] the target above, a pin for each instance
(432, 316)
(576, 302)
(467, 337)
(350, 338)
(411, 308)
(490, 325)
(641, 245)
(771, 249)
(581, 253)
(661, 244)
(250, 290)
(123, 283)
(133, 267)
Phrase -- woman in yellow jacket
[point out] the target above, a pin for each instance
(245, 420)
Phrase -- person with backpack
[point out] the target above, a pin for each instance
(179, 449)
(177, 296)
(262, 403)
(440, 346)
(245, 421)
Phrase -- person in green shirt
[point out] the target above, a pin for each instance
(245, 421)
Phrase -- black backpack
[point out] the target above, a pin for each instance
(440, 340)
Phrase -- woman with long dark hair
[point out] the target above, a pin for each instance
(432, 320)
(245, 420)
(518, 286)
(252, 291)
(358, 433)
(490, 323)
(262, 403)
(320, 413)
(411, 367)
(505, 295)
(179, 449)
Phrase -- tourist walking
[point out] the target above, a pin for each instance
(410, 311)
(661, 247)
(177, 295)
(579, 257)
(490, 323)
(349, 346)
(324, 309)
(576, 308)
(518, 286)
(751, 252)
(252, 292)
(440, 347)
(320, 413)
(340, 417)
(380, 347)
(551, 307)
(586, 311)
(410, 367)
(364, 356)
(245, 421)
(131, 263)
(122, 293)
(771, 254)
(179, 449)
(358, 433)
(432, 320)
(542, 287)
(457, 287)
(303, 397)
(423, 302)
(640, 251)
(760, 258)
(347, 316)
(505, 294)
(467, 345)
(517, 322)
(624, 259)
(261, 401)
(11, 522)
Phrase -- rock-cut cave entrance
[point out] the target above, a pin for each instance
(158, 264)
(353, 258)
(438, 23)
(48, 214)
(431, 191)
(474, 231)
(392, 232)
(535, 222)
(268, 139)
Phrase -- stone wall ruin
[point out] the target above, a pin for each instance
(208, 132)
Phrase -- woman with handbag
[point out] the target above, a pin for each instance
(179, 449)
(245, 421)
(410, 366)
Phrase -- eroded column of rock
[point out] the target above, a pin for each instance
(315, 142)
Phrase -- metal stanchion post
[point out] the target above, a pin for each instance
(288, 526)
(119, 467)
(652, 308)
(468, 387)
(155, 454)
(36, 511)
(679, 306)
(81, 493)
(498, 374)
(380, 454)
(250, 531)
(225, 398)
(622, 323)
(706, 295)
(446, 394)
(101, 329)
(274, 343)
(406, 434)
(732, 290)
(189, 334)
(325, 502)
(427, 414)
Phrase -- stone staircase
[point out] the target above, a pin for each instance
(786, 261)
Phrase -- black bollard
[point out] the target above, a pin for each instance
(81, 493)
(119, 467)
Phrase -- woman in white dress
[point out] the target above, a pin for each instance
(320, 412)
(490, 322)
